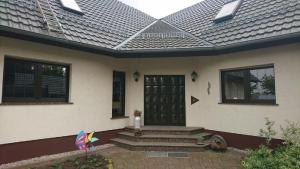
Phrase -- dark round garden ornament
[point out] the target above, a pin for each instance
(218, 143)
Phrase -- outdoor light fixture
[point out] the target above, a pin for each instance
(136, 76)
(194, 76)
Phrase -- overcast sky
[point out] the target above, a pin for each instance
(160, 8)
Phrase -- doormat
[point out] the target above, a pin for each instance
(155, 154)
(178, 155)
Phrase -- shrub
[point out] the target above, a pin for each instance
(291, 133)
(261, 158)
(284, 157)
(269, 132)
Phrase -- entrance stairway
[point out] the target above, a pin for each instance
(160, 138)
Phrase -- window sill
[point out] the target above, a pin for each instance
(119, 117)
(252, 104)
(34, 103)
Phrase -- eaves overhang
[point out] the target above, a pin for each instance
(151, 53)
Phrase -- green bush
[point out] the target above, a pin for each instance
(269, 132)
(287, 157)
(284, 157)
(291, 133)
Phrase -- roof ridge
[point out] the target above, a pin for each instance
(189, 33)
(135, 35)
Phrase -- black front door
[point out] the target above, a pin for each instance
(164, 100)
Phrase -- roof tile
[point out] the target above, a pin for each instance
(164, 35)
(111, 18)
(254, 19)
(109, 23)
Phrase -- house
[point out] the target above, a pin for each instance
(88, 65)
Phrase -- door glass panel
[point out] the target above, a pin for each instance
(147, 81)
(167, 103)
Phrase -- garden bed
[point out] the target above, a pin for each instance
(81, 162)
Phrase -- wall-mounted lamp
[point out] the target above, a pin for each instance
(194, 76)
(136, 76)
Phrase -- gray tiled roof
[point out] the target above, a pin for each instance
(105, 23)
(255, 19)
(112, 25)
(163, 35)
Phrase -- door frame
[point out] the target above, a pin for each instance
(185, 118)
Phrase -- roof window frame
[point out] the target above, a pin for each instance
(69, 8)
(220, 18)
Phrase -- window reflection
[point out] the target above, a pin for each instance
(262, 84)
(253, 85)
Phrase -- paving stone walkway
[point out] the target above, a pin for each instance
(124, 159)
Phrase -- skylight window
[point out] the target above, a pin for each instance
(228, 10)
(71, 5)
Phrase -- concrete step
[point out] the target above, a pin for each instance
(164, 138)
(167, 130)
(158, 146)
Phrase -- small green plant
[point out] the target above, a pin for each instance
(266, 158)
(261, 158)
(284, 157)
(110, 164)
(269, 132)
(90, 161)
(291, 133)
(93, 161)
(57, 166)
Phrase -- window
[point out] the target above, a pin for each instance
(118, 107)
(29, 81)
(228, 10)
(252, 85)
(71, 5)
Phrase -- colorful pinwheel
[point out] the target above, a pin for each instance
(85, 141)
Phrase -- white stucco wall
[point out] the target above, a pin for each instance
(208, 113)
(91, 92)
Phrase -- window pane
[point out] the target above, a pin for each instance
(27, 81)
(54, 81)
(118, 94)
(19, 79)
(234, 85)
(262, 84)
